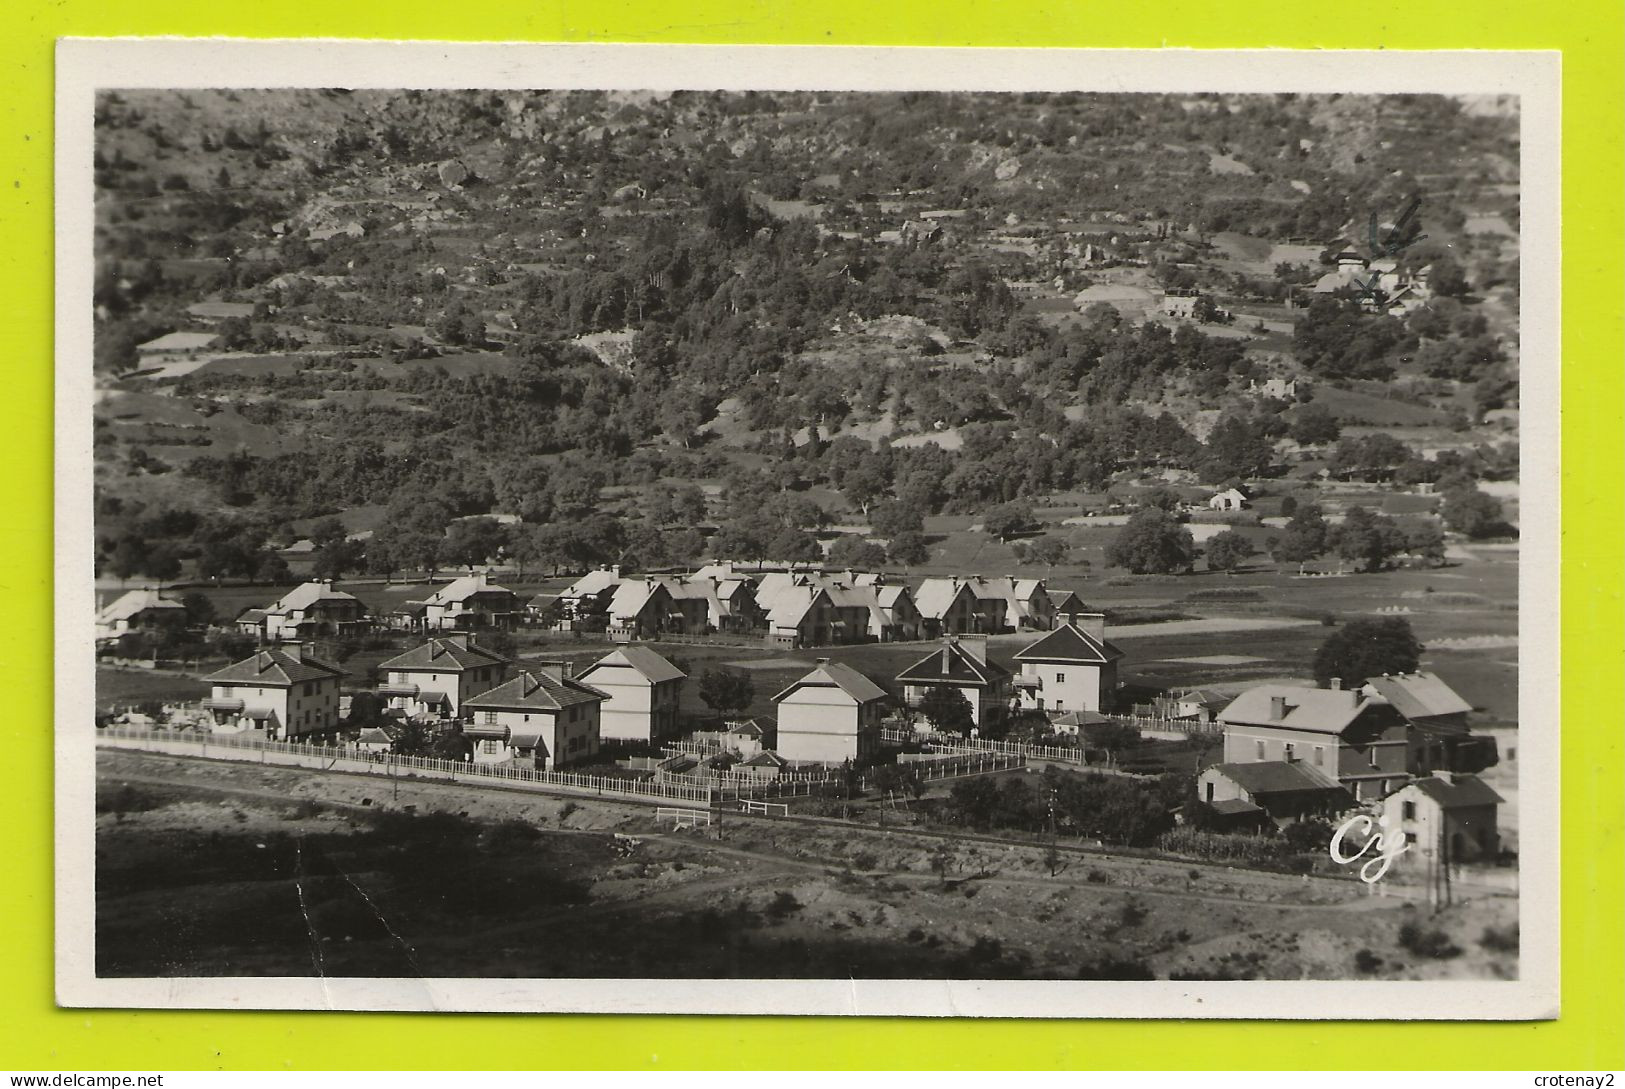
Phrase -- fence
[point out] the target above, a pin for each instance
(331, 758)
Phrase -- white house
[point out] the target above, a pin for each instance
(284, 691)
(471, 601)
(1073, 668)
(829, 716)
(309, 610)
(1445, 819)
(643, 690)
(138, 610)
(543, 714)
(437, 677)
(961, 664)
(1228, 499)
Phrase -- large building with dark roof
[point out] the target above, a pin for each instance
(437, 677)
(962, 664)
(1073, 668)
(283, 690)
(543, 715)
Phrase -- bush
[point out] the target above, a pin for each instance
(1500, 940)
(783, 905)
(1434, 944)
(1132, 913)
(1366, 962)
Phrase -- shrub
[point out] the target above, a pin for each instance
(1132, 913)
(1434, 944)
(1366, 962)
(1500, 939)
(566, 810)
(783, 905)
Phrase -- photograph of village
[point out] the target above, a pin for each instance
(806, 535)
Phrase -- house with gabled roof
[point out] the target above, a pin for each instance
(951, 606)
(1445, 819)
(543, 715)
(797, 614)
(1072, 668)
(829, 716)
(310, 610)
(283, 690)
(643, 691)
(963, 665)
(1439, 716)
(638, 609)
(1360, 741)
(1274, 789)
(437, 677)
(590, 594)
(470, 602)
(139, 610)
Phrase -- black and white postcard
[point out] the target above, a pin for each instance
(767, 530)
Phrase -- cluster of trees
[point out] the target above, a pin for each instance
(1109, 808)
(1369, 540)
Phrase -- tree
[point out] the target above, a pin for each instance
(1227, 550)
(1367, 539)
(1008, 519)
(272, 568)
(893, 517)
(336, 559)
(1153, 543)
(1472, 512)
(725, 690)
(1048, 551)
(1236, 447)
(908, 548)
(200, 611)
(947, 709)
(1314, 425)
(1363, 649)
(850, 550)
(795, 546)
(327, 531)
(1305, 536)
(472, 541)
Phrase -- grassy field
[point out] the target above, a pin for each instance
(212, 869)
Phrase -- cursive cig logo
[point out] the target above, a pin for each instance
(1381, 843)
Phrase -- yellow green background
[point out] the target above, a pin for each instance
(34, 1035)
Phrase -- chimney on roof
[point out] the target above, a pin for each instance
(559, 671)
(1335, 684)
(1277, 708)
(295, 649)
(1091, 624)
(975, 646)
(456, 639)
(615, 569)
(1444, 776)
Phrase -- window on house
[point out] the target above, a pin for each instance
(1288, 752)
(1410, 839)
(490, 717)
(225, 690)
(1371, 756)
(488, 746)
(1060, 678)
(1259, 750)
(1210, 792)
(1408, 811)
(1320, 757)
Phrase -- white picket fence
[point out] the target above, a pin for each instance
(334, 758)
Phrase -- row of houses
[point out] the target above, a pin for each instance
(797, 609)
(549, 713)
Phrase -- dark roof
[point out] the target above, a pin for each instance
(1069, 643)
(1276, 777)
(534, 690)
(1230, 806)
(275, 667)
(1458, 791)
(1419, 695)
(837, 675)
(651, 665)
(953, 664)
(1317, 710)
(445, 656)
